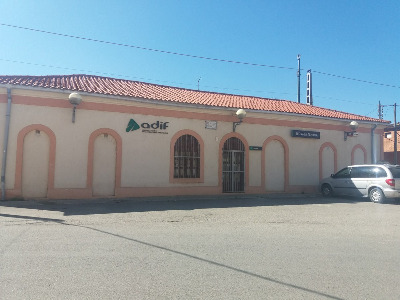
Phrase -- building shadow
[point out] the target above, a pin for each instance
(131, 205)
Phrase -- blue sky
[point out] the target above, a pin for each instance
(352, 39)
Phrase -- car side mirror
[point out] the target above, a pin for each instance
(333, 175)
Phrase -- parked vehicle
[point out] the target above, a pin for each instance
(374, 181)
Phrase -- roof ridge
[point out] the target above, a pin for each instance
(176, 87)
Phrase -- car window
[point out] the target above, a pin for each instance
(379, 173)
(368, 172)
(343, 173)
(395, 171)
(357, 173)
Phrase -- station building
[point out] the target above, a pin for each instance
(134, 139)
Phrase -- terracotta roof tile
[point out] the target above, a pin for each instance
(128, 88)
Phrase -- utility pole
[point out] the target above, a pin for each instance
(395, 128)
(298, 78)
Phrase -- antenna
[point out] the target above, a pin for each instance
(309, 88)
(298, 78)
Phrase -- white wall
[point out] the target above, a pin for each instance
(146, 156)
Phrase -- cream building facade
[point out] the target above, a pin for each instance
(133, 139)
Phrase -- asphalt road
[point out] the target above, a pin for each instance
(248, 247)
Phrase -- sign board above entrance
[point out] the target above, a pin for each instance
(306, 134)
(211, 125)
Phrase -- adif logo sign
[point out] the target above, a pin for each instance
(156, 127)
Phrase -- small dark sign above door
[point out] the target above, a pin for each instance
(255, 148)
(306, 134)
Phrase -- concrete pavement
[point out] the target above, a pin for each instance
(252, 247)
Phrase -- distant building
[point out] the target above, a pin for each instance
(388, 147)
(132, 139)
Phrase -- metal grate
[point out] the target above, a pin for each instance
(187, 157)
(233, 166)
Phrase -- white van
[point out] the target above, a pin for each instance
(374, 181)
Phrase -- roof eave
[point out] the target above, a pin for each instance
(178, 104)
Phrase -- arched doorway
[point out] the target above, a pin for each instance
(274, 166)
(104, 164)
(35, 164)
(327, 160)
(358, 155)
(233, 166)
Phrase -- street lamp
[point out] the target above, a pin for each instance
(75, 99)
(241, 114)
(353, 126)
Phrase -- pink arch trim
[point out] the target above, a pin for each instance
(321, 149)
(19, 158)
(171, 158)
(246, 159)
(118, 163)
(353, 151)
(286, 158)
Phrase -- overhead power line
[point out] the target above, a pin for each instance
(89, 71)
(229, 89)
(145, 48)
(135, 77)
(354, 79)
(189, 55)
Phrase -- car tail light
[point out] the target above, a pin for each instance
(390, 182)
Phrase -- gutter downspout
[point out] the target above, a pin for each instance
(5, 146)
(373, 152)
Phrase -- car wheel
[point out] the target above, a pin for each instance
(376, 195)
(326, 190)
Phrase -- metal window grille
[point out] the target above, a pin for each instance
(233, 154)
(187, 157)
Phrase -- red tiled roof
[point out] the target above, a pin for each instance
(128, 88)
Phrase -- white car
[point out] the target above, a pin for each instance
(374, 181)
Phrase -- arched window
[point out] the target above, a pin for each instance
(187, 157)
